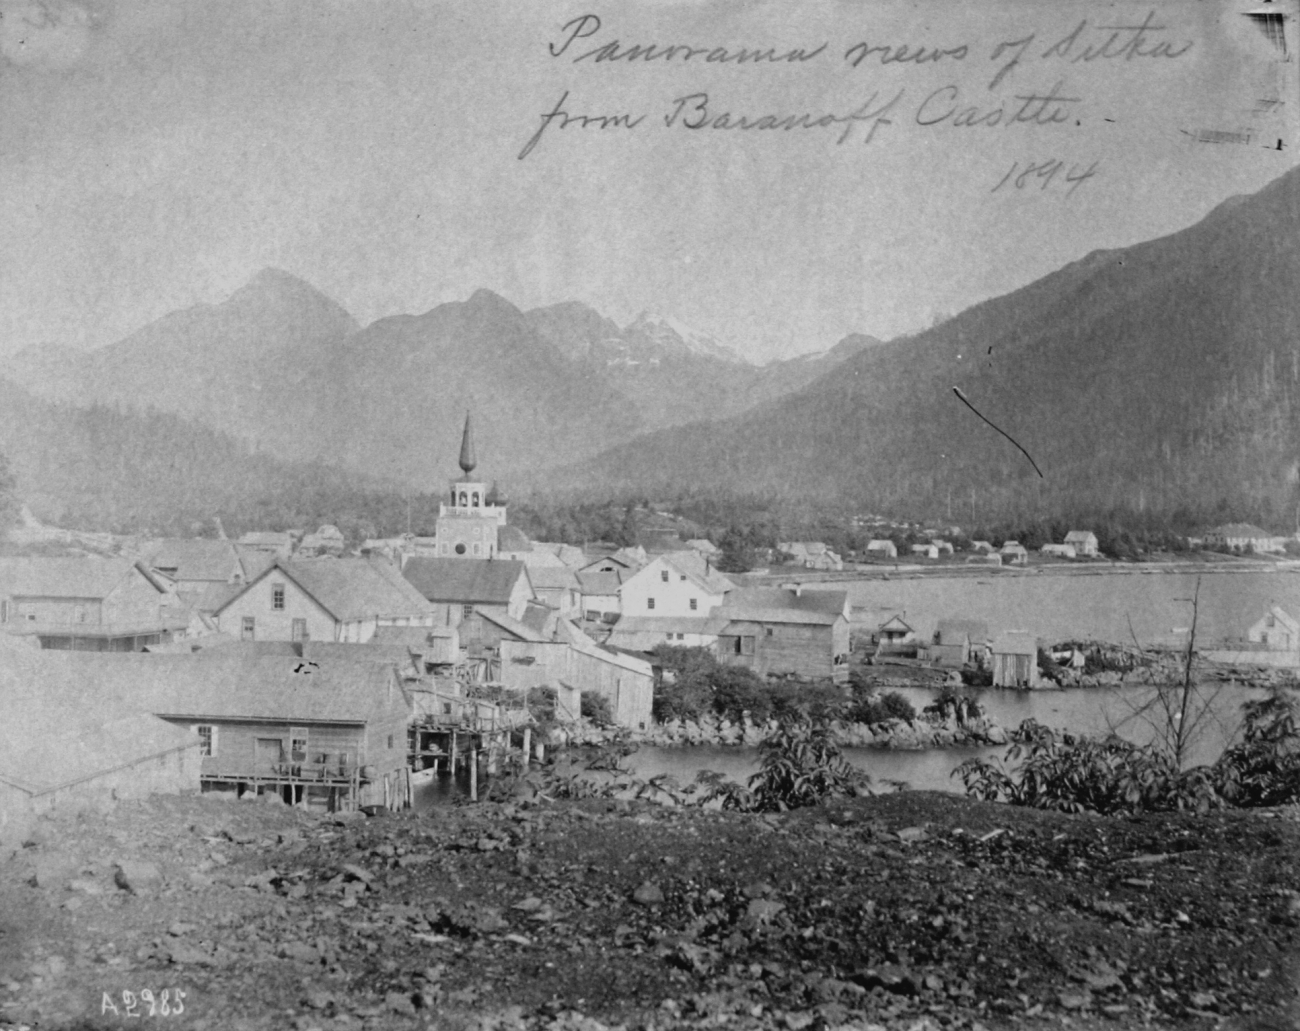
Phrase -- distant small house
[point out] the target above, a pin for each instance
(895, 631)
(959, 641)
(705, 547)
(547, 553)
(1084, 542)
(1276, 629)
(985, 559)
(513, 543)
(1058, 550)
(328, 540)
(1245, 537)
(781, 631)
(945, 548)
(925, 551)
(812, 555)
(882, 549)
(982, 547)
(1014, 554)
(1015, 660)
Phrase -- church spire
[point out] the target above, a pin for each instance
(467, 459)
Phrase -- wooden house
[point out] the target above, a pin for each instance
(1058, 551)
(1276, 629)
(982, 547)
(558, 587)
(575, 661)
(601, 597)
(1014, 554)
(895, 630)
(959, 641)
(328, 540)
(811, 555)
(882, 549)
(1084, 542)
(324, 599)
(775, 630)
(456, 587)
(1246, 538)
(88, 604)
(327, 733)
(1015, 660)
(679, 583)
(929, 551)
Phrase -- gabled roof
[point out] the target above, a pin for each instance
(348, 588)
(595, 582)
(779, 605)
(552, 577)
(541, 618)
(1080, 537)
(194, 559)
(699, 569)
(1245, 530)
(512, 626)
(465, 581)
(582, 643)
(712, 624)
(50, 577)
(896, 623)
(217, 684)
(570, 554)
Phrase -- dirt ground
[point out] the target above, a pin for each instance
(912, 910)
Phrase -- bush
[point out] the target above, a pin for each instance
(595, 707)
(951, 702)
(737, 690)
(1047, 770)
(801, 766)
(879, 708)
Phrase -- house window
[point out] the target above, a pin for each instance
(476, 506)
(463, 499)
(4, 612)
(466, 611)
(298, 744)
(1269, 620)
(694, 604)
(664, 576)
(390, 736)
(207, 739)
(299, 631)
(649, 603)
(767, 631)
(478, 548)
(81, 614)
(277, 597)
(248, 628)
(446, 549)
(682, 577)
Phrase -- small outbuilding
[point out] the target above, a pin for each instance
(1015, 660)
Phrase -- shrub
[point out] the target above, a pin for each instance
(889, 706)
(736, 690)
(951, 702)
(1263, 770)
(801, 766)
(595, 707)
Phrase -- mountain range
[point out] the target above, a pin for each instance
(1161, 377)
(286, 369)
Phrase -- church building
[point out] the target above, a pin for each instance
(470, 521)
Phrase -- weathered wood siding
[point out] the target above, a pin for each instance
(630, 694)
(272, 624)
(806, 650)
(134, 600)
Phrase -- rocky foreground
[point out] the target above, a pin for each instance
(913, 910)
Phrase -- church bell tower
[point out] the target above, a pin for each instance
(469, 520)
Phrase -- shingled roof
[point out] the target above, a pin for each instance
(780, 605)
(50, 577)
(349, 588)
(465, 581)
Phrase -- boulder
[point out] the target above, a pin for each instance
(137, 876)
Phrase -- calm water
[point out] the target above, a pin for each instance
(1114, 607)
(1095, 712)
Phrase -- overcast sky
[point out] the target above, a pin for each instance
(157, 155)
